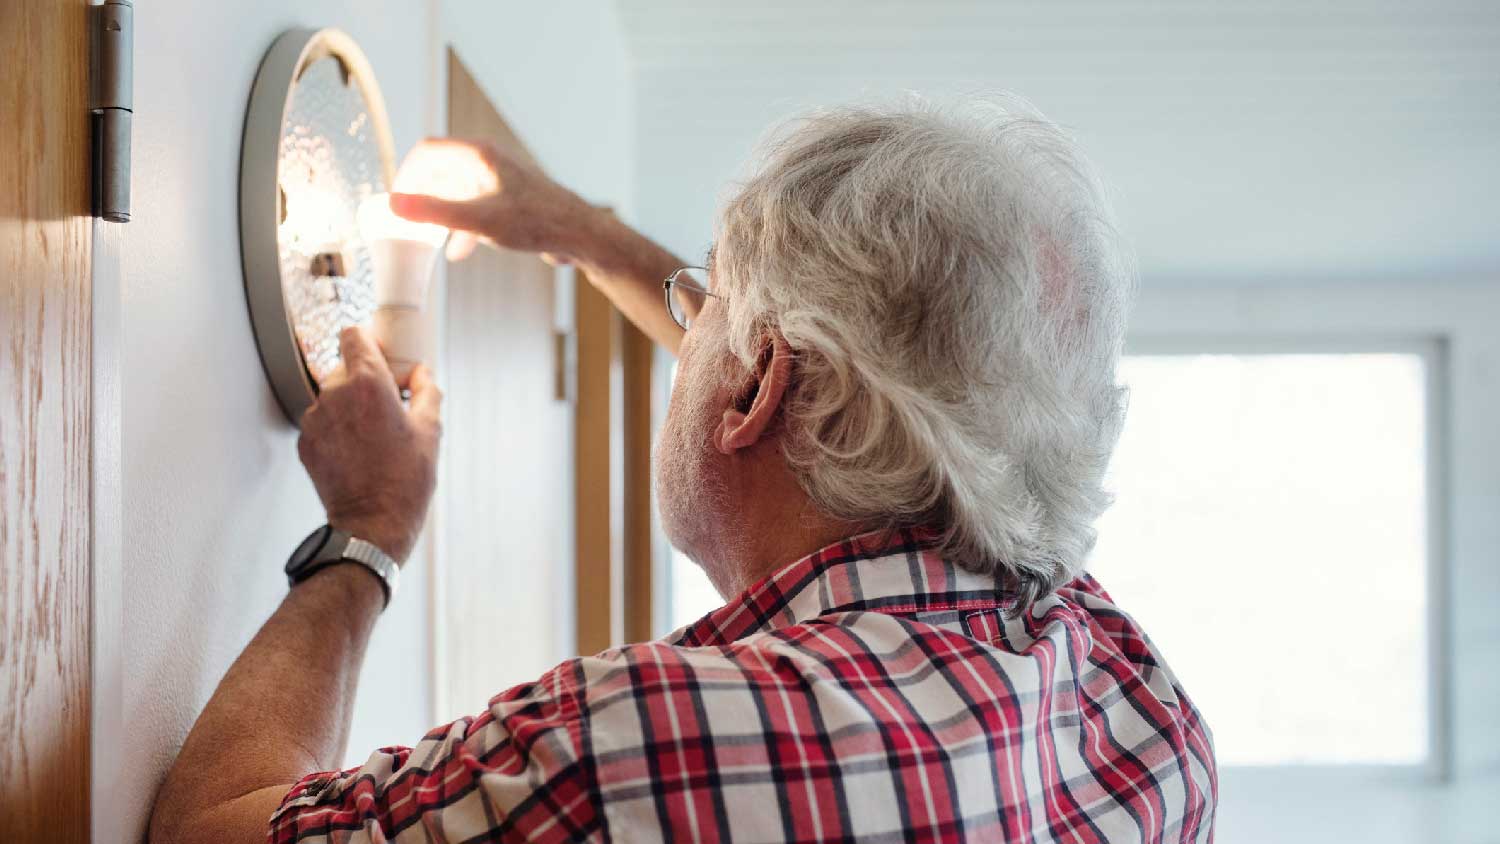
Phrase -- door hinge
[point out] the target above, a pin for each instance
(110, 104)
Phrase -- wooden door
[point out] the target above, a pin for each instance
(45, 433)
(506, 507)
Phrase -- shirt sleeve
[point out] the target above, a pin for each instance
(517, 772)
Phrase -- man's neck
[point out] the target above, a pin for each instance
(764, 522)
(770, 547)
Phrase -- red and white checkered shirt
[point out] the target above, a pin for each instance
(870, 691)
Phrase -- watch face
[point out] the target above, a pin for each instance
(308, 549)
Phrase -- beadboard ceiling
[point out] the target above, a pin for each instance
(1269, 141)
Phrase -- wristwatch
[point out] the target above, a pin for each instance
(326, 546)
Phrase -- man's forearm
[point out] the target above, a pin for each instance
(629, 267)
(280, 713)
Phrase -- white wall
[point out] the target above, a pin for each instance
(557, 71)
(214, 496)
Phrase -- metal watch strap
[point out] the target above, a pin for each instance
(377, 561)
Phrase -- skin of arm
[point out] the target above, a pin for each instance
(283, 709)
(629, 268)
(281, 712)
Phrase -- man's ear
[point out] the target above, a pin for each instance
(763, 389)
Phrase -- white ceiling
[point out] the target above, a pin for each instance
(1269, 141)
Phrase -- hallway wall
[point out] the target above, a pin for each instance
(214, 495)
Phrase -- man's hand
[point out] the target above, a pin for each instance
(481, 192)
(373, 461)
(475, 188)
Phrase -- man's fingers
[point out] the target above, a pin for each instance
(464, 215)
(426, 398)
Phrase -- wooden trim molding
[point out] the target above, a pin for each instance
(594, 471)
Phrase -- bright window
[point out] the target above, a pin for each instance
(1270, 534)
(692, 595)
(688, 593)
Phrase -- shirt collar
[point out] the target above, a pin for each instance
(890, 571)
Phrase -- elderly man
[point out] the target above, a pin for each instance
(895, 403)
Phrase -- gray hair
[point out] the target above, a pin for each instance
(950, 280)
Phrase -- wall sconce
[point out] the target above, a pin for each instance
(317, 144)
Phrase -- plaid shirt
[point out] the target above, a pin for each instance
(870, 691)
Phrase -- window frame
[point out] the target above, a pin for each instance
(1460, 315)
(1431, 351)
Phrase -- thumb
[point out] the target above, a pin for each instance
(464, 215)
(357, 347)
(426, 398)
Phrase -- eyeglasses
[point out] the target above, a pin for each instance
(685, 289)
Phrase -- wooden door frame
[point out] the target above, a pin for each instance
(597, 473)
(56, 490)
(613, 535)
(637, 361)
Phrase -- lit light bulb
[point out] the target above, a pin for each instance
(403, 255)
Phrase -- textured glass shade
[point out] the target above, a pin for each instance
(330, 161)
(317, 143)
